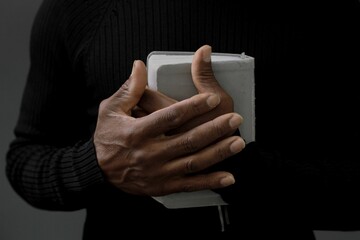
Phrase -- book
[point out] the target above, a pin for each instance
(170, 73)
(202, 198)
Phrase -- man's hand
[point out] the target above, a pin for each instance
(137, 155)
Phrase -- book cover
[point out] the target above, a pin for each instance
(170, 73)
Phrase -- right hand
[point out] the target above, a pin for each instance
(204, 81)
(137, 157)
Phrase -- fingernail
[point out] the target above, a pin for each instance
(227, 181)
(207, 54)
(213, 100)
(235, 121)
(133, 68)
(237, 145)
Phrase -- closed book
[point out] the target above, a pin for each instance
(169, 72)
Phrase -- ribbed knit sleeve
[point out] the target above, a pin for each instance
(52, 162)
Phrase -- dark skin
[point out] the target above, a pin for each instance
(149, 144)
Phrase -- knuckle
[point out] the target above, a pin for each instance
(172, 116)
(188, 188)
(136, 159)
(218, 128)
(221, 153)
(206, 72)
(188, 144)
(207, 78)
(189, 166)
(137, 177)
(139, 158)
(125, 87)
(129, 135)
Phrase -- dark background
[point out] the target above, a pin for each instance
(18, 220)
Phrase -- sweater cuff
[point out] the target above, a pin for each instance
(88, 171)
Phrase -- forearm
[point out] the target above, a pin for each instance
(53, 178)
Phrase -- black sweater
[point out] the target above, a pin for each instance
(304, 168)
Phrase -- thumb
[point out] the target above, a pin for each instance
(130, 93)
(202, 73)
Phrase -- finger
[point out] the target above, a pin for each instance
(199, 182)
(166, 119)
(202, 73)
(152, 101)
(129, 94)
(207, 157)
(201, 136)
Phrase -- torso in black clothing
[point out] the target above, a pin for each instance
(305, 97)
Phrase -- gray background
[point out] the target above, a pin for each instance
(18, 220)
